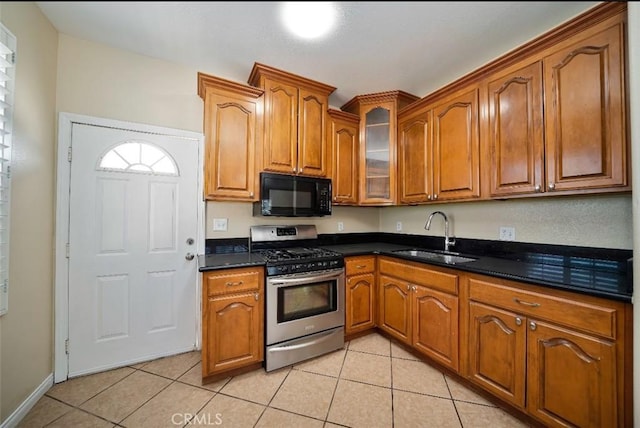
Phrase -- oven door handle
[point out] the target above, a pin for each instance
(303, 345)
(306, 279)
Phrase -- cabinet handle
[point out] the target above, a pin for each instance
(414, 289)
(408, 287)
(294, 169)
(361, 266)
(537, 188)
(429, 197)
(552, 186)
(522, 302)
(257, 296)
(232, 284)
(435, 196)
(518, 321)
(251, 195)
(532, 325)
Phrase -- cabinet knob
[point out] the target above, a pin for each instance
(429, 197)
(537, 188)
(518, 321)
(257, 296)
(435, 196)
(251, 195)
(414, 289)
(408, 287)
(552, 186)
(533, 326)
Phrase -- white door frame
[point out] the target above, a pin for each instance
(63, 175)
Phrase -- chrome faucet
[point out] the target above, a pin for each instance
(447, 241)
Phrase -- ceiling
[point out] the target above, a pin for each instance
(416, 47)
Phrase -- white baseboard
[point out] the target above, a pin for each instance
(18, 415)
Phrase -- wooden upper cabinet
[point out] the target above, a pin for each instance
(585, 110)
(516, 136)
(415, 169)
(378, 145)
(232, 124)
(456, 146)
(343, 144)
(295, 122)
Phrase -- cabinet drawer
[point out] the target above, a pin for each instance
(420, 274)
(233, 280)
(585, 316)
(358, 265)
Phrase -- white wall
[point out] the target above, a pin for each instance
(26, 331)
(592, 221)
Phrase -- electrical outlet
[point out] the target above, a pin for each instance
(220, 224)
(507, 233)
(398, 226)
(340, 226)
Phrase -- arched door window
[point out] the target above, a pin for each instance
(138, 157)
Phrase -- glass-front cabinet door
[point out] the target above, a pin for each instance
(377, 155)
(378, 128)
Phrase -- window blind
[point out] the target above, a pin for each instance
(7, 79)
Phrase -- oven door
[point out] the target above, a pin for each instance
(304, 303)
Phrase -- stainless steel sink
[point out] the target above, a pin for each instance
(447, 258)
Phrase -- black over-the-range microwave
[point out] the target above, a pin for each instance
(293, 196)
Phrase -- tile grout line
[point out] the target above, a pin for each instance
(393, 416)
(455, 407)
(344, 358)
(272, 397)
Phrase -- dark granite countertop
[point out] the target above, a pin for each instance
(561, 272)
(592, 271)
(208, 262)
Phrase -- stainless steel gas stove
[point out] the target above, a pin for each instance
(304, 297)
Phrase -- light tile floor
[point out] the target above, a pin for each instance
(370, 383)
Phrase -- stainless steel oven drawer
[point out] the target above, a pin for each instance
(296, 350)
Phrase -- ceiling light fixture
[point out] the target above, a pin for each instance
(309, 20)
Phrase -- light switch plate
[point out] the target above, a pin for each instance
(219, 224)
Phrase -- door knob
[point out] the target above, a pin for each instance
(190, 241)
(189, 256)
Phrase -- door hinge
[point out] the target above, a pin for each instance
(69, 154)
(5, 286)
(66, 346)
(9, 171)
(67, 250)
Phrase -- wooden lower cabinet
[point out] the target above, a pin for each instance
(435, 325)
(558, 356)
(419, 306)
(232, 320)
(395, 308)
(360, 310)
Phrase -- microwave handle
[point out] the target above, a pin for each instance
(306, 279)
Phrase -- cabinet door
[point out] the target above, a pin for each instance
(497, 352)
(344, 165)
(571, 378)
(231, 126)
(312, 128)
(280, 152)
(435, 325)
(516, 142)
(395, 308)
(232, 332)
(456, 147)
(414, 159)
(360, 301)
(378, 154)
(584, 102)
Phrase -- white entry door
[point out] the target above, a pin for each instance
(133, 213)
